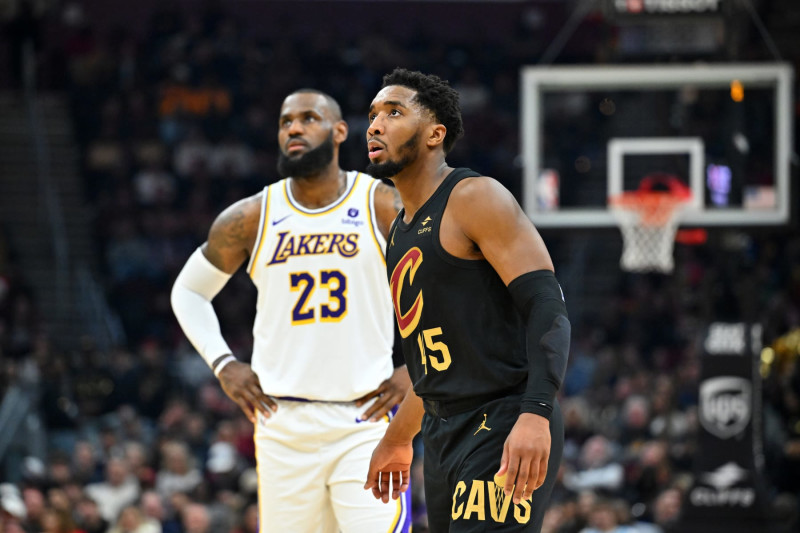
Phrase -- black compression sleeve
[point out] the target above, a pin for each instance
(538, 297)
(397, 349)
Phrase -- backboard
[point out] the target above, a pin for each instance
(590, 132)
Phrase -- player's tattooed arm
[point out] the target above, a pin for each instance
(233, 233)
(387, 205)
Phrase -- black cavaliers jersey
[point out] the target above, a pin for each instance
(462, 335)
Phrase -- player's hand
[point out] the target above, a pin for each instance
(241, 385)
(390, 465)
(525, 455)
(390, 393)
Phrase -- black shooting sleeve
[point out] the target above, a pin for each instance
(397, 348)
(538, 297)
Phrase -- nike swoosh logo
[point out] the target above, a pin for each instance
(276, 222)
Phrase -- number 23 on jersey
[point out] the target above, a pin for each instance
(305, 283)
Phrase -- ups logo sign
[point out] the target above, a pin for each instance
(725, 405)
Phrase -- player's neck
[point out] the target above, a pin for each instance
(319, 190)
(416, 183)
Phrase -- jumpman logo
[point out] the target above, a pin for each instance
(483, 425)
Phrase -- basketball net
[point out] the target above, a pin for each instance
(648, 219)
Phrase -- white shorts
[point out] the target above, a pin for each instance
(312, 461)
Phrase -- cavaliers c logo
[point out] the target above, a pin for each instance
(408, 264)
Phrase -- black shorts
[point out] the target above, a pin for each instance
(462, 454)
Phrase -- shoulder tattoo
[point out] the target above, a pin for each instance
(232, 228)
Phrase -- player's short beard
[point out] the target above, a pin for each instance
(307, 164)
(390, 168)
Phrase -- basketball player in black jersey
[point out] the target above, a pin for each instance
(484, 325)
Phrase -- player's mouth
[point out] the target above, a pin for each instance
(375, 148)
(295, 146)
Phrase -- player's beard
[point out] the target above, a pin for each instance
(390, 168)
(307, 164)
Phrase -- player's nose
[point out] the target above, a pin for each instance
(376, 127)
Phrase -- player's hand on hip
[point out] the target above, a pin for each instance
(241, 385)
(389, 470)
(526, 451)
(390, 393)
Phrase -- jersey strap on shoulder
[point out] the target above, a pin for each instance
(538, 297)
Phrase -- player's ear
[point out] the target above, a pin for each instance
(436, 135)
(340, 131)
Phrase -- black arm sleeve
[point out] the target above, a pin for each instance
(397, 349)
(538, 297)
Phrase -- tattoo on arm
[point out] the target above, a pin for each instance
(228, 239)
(233, 229)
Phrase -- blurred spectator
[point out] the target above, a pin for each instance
(153, 507)
(195, 519)
(12, 507)
(58, 521)
(154, 185)
(86, 464)
(192, 153)
(119, 489)
(603, 519)
(178, 472)
(249, 520)
(635, 419)
(231, 158)
(131, 520)
(139, 461)
(35, 506)
(88, 518)
(667, 509)
(598, 468)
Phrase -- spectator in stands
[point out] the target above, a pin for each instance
(603, 519)
(119, 489)
(58, 521)
(153, 508)
(131, 520)
(86, 464)
(12, 508)
(598, 468)
(35, 505)
(667, 509)
(195, 519)
(88, 517)
(178, 472)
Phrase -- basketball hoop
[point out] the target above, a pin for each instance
(648, 220)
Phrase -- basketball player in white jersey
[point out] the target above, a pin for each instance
(321, 384)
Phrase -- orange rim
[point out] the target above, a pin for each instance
(655, 208)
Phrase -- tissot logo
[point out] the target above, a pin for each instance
(725, 404)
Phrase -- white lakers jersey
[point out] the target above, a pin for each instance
(324, 324)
